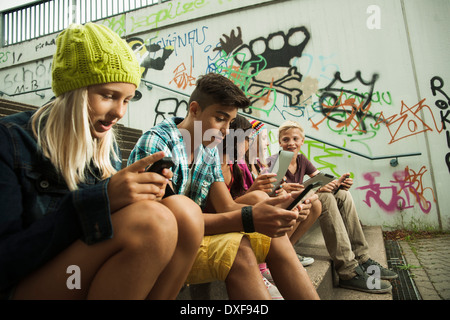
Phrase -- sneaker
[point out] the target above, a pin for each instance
(306, 261)
(384, 273)
(273, 291)
(266, 274)
(363, 282)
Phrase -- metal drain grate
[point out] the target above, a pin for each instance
(403, 288)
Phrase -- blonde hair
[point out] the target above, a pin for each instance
(289, 124)
(62, 129)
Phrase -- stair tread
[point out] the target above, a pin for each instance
(320, 272)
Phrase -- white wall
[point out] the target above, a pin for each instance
(395, 57)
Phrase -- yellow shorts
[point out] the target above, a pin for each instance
(217, 253)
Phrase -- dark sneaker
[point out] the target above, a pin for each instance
(376, 268)
(366, 283)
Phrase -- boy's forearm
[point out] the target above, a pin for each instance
(217, 223)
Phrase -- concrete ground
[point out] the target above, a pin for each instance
(428, 261)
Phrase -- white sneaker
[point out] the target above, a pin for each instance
(306, 261)
(273, 291)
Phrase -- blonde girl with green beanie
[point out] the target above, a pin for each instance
(73, 224)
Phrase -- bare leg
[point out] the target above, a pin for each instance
(190, 234)
(252, 198)
(244, 280)
(288, 273)
(124, 267)
(300, 228)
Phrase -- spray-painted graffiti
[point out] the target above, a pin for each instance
(326, 65)
(171, 12)
(322, 161)
(192, 38)
(117, 24)
(345, 112)
(146, 54)
(263, 66)
(405, 191)
(45, 44)
(27, 78)
(408, 122)
(170, 107)
(183, 77)
(4, 56)
(436, 84)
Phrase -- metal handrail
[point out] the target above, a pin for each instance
(25, 92)
(394, 161)
(342, 148)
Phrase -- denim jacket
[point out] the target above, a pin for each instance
(39, 215)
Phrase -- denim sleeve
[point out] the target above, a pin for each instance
(10, 191)
(88, 206)
(92, 207)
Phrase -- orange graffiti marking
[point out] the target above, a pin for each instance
(182, 78)
(408, 123)
(351, 113)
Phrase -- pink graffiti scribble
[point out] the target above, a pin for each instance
(410, 185)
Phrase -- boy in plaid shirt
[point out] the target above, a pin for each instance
(237, 237)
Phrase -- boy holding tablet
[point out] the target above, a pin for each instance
(339, 221)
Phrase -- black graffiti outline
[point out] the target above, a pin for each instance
(162, 113)
(273, 56)
(360, 111)
(442, 105)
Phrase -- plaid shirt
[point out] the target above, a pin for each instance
(206, 169)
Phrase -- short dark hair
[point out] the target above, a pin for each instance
(214, 88)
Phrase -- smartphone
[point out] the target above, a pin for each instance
(305, 194)
(340, 186)
(157, 167)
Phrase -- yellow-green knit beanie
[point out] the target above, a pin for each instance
(92, 54)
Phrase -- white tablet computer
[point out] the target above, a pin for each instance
(280, 166)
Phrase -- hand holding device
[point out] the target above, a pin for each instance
(280, 166)
(305, 194)
(340, 185)
(311, 186)
(158, 167)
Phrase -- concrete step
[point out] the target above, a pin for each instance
(321, 271)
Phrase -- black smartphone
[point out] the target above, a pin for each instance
(158, 166)
(306, 193)
(340, 186)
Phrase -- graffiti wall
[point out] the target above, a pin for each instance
(369, 81)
